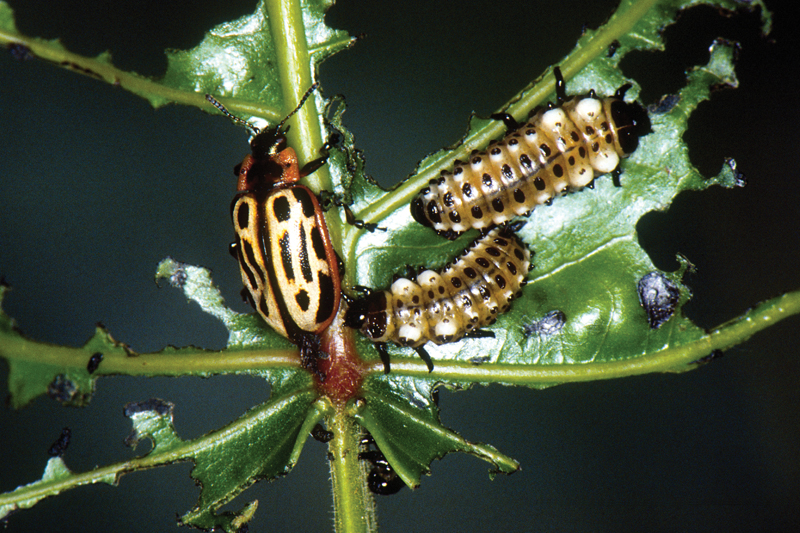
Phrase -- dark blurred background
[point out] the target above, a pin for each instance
(97, 187)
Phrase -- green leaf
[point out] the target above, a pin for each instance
(408, 432)
(265, 443)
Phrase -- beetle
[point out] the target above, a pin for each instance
(289, 267)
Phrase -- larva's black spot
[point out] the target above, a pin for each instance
(525, 162)
(483, 262)
(488, 182)
(448, 200)
(558, 171)
(432, 211)
(501, 281)
(476, 160)
(477, 213)
(470, 273)
(545, 150)
(455, 217)
(574, 136)
(495, 151)
(508, 174)
(494, 252)
(497, 205)
(485, 293)
(466, 190)
(539, 183)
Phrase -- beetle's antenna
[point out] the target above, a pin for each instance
(302, 101)
(216, 103)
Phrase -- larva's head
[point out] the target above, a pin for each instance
(418, 208)
(371, 316)
(631, 122)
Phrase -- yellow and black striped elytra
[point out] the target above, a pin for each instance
(559, 149)
(289, 267)
(286, 258)
(446, 306)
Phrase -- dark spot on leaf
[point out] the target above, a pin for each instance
(550, 324)
(62, 389)
(659, 296)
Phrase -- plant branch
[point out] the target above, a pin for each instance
(354, 505)
(670, 359)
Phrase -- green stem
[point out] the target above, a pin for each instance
(294, 66)
(171, 362)
(672, 359)
(354, 505)
(102, 69)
